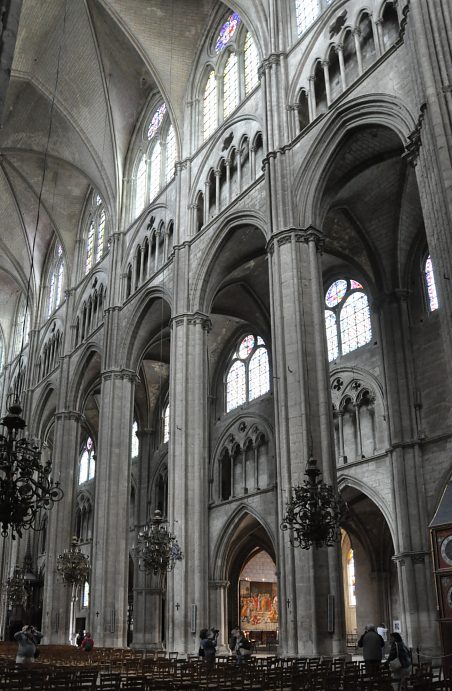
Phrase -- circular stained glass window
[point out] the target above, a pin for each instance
(335, 293)
(246, 347)
(227, 31)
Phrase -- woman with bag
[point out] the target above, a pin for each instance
(399, 660)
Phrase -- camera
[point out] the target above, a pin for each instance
(215, 632)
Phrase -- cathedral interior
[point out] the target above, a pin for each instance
(225, 249)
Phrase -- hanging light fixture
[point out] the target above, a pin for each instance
(157, 549)
(26, 487)
(314, 512)
(73, 566)
(16, 589)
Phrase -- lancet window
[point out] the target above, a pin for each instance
(156, 159)
(430, 287)
(95, 244)
(56, 278)
(232, 73)
(87, 462)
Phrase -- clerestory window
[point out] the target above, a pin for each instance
(307, 11)
(95, 245)
(154, 165)
(430, 287)
(347, 317)
(248, 373)
(230, 77)
(56, 280)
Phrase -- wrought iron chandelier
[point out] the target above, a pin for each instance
(314, 512)
(16, 588)
(26, 487)
(157, 548)
(73, 566)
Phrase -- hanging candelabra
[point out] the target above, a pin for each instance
(314, 512)
(157, 548)
(73, 568)
(26, 487)
(16, 589)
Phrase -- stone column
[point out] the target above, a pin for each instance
(217, 192)
(326, 74)
(228, 181)
(356, 36)
(304, 426)
(60, 527)
(188, 478)
(218, 612)
(340, 52)
(311, 102)
(379, 42)
(411, 513)
(109, 583)
(206, 201)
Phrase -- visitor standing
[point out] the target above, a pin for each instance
(372, 644)
(27, 638)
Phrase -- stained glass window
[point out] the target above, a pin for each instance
(154, 180)
(335, 293)
(170, 154)
(351, 582)
(430, 285)
(140, 189)
(165, 434)
(85, 595)
(249, 374)
(95, 239)
(246, 346)
(227, 31)
(89, 248)
(156, 120)
(306, 11)
(100, 236)
(331, 335)
(236, 386)
(230, 85)
(347, 321)
(135, 444)
(22, 325)
(87, 464)
(251, 64)
(210, 106)
(355, 322)
(259, 374)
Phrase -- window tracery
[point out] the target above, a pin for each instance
(248, 375)
(347, 317)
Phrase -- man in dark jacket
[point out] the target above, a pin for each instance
(372, 644)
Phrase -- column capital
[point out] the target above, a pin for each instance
(219, 585)
(414, 139)
(128, 374)
(69, 415)
(305, 235)
(416, 557)
(192, 318)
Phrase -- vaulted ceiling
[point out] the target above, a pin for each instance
(83, 74)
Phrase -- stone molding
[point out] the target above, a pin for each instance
(219, 585)
(414, 139)
(69, 415)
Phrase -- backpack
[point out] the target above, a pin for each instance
(88, 646)
(245, 644)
